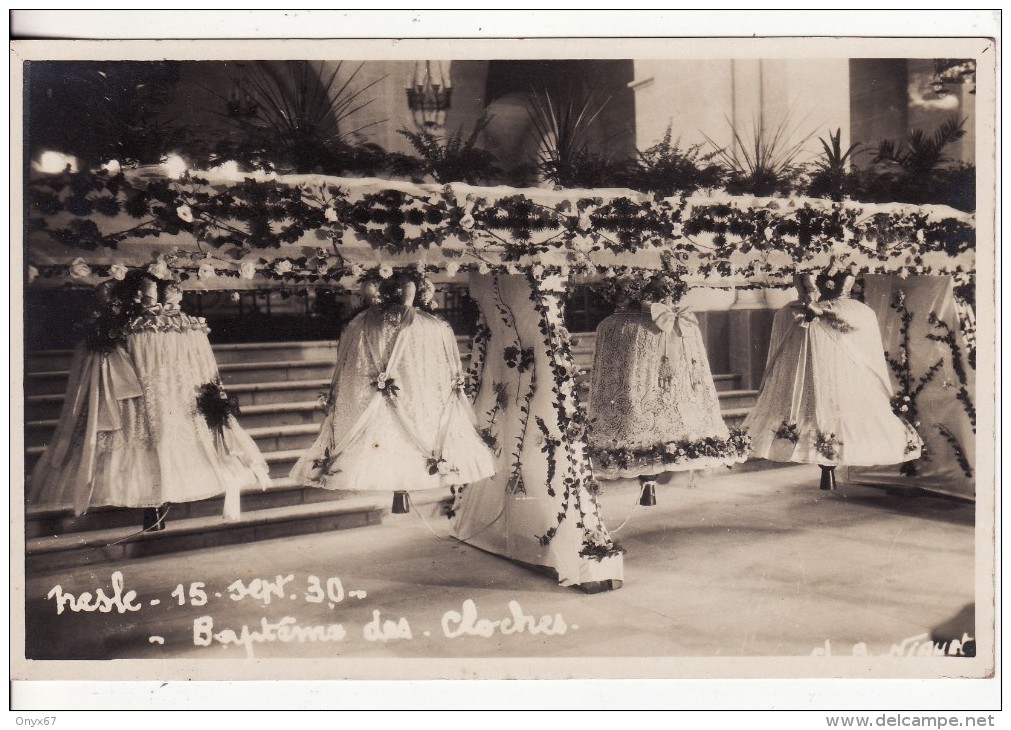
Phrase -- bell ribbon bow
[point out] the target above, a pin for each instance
(805, 316)
(670, 319)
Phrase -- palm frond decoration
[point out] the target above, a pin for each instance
(764, 160)
(300, 114)
(832, 168)
(920, 153)
(563, 129)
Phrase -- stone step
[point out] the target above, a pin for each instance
(42, 360)
(298, 437)
(732, 400)
(253, 417)
(281, 462)
(274, 351)
(59, 360)
(734, 417)
(48, 406)
(282, 493)
(51, 382)
(50, 553)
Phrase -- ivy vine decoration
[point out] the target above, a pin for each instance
(478, 356)
(518, 354)
(520, 358)
(487, 433)
(577, 482)
(904, 401)
(956, 447)
(946, 336)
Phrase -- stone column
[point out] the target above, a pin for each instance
(750, 329)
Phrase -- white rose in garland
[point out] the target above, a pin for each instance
(247, 270)
(483, 268)
(385, 271)
(118, 271)
(79, 269)
(112, 167)
(205, 272)
(160, 270)
(356, 270)
(467, 222)
(330, 214)
(282, 266)
(185, 213)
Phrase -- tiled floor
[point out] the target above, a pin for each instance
(752, 564)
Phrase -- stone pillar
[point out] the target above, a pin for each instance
(539, 509)
(750, 329)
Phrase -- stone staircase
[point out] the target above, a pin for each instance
(279, 387)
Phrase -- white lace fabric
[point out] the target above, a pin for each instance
(650, 388)
(161, 450)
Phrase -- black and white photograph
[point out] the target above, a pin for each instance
(503, 359)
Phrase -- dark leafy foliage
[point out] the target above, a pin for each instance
(666, 168)
(450, 159)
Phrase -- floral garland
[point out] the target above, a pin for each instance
(239, 217)
(735, 446)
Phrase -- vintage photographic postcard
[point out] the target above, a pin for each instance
(560, 358)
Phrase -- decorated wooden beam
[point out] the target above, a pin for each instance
(222, 229)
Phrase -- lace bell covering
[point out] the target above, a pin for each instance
(653, 406)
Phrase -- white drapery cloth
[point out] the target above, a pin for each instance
(939, 409)
(397, 418)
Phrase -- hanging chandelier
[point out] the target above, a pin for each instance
(429, 93)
